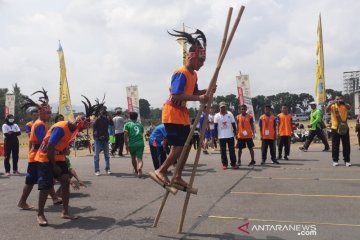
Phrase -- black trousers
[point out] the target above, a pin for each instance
(345, 139)
(119, 143)
(196, 141)
(265, 144)
(317, 132)
(11, 147)
(231, 145)
(158, 155)
(284, 142)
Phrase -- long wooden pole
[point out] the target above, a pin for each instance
(225, 46)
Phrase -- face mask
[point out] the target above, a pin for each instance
(11, 120)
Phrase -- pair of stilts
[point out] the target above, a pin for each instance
(173, 187)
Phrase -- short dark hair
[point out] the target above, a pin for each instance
(34, 110)
(118, 112)
(284, 105)
(58, 116)
(133, 116)
(243, 106)
(268, 106)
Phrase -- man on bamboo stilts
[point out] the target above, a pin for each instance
(175, 115)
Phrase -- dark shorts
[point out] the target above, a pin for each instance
(45, 175)
(242, 143)
(177, 133)
(207, 134)
(31, 175)
(64, 168)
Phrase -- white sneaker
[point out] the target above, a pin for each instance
(347, 164)
(108, 172)
(335, 164)
(97, 173)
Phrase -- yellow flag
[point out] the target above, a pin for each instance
(320, 93)
(65, 107)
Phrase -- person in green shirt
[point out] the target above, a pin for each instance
(134, 142)
(315, 129)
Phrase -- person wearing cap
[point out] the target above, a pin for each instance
(225, 130)
(315, 129)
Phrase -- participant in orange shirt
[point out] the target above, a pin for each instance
(267, 126)
(285, 131)
(51, 161)
(175, 115)
(245, 133)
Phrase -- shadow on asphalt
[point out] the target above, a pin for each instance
(87, 223)
(79, 195)
(72, 210)
(143, 223)
(225, 236)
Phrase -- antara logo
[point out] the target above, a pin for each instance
(244, 228)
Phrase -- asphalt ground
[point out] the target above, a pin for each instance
(304, 195)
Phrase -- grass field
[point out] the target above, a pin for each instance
(23, 139)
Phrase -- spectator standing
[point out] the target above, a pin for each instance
(119, 122)
(339, 129)
(267, 124)
(225, 130)
(285, 131)
(101, 137)
(245, 133)
(212, 127)
(11, 132)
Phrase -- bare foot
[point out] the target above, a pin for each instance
(68, 216)
(162, 177)
(139, 173)
(42, 221)
(181, 182)
(25, 206)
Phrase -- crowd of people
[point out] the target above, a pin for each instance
(48, 153)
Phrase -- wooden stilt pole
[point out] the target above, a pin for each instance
(224, 47)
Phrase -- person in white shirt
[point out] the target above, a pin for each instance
(119, 123)
(225, 130)
(11, 132)
(212, 127)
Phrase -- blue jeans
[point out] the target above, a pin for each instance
(101, 145)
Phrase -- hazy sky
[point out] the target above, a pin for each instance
(111, 44)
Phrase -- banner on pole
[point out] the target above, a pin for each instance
(243, 89)
(9, 104)
(132, 94)
(65, 107)
(320, 92)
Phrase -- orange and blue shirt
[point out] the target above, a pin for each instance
(28, 127)
(37, 134)
(244, 124)
(58, 135)
(267, 125)
(157, 136)
(182, 82)
(284, 122)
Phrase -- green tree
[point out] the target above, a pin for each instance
(304, 100)
(3, 92)
(144, 106)
(156, 114)
(258, 103)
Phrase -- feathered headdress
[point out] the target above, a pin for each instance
(196, 40)
(43, 106)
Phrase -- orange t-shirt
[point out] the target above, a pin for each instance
(34, 142)
(267, 126)
(60, 147)
(179, 114)
(244, 126)
(284, 126)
